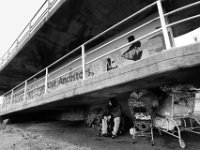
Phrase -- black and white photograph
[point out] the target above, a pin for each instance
(100, 75)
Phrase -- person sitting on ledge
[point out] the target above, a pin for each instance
(111, 112)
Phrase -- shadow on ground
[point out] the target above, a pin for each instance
(74, 136)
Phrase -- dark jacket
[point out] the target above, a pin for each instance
(114, 111)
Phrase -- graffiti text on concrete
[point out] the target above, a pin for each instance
(18, 97)
(67, 79)
(37, 92)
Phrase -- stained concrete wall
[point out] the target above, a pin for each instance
(178, 65)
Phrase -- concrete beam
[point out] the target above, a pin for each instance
(171, 64)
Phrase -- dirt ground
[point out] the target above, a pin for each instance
(71, 136)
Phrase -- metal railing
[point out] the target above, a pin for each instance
(39, 16)
(41, 85)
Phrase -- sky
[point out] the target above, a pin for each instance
(188, 38)
(14, 16)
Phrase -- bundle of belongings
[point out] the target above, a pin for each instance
(180, 106)
(141, 104)
(94, 118)
(178, 110)
(142, 116)
(163, 123)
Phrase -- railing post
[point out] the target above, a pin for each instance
(3, 100)
(17, 42)
(46, 82)
(48, 8)
(83, 60)
(29, 29)
(163, 24)
(1, 62)
(25, 90)
(49, 4)
(12, 97)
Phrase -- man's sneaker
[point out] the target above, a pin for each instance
(103, 135)
(113, 136)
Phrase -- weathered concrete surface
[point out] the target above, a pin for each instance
(178, 65)
(72, 23)
(71, 136)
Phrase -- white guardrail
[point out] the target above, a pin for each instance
(39, 16)
(37, 85)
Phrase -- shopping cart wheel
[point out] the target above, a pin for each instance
(152, 142)
(160, 132)
(182, 143)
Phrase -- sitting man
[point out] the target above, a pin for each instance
(112, 111)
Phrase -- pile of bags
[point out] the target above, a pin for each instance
(182, 106)
(183, 102)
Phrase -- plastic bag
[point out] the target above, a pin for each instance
(165, 123)
(166, 109)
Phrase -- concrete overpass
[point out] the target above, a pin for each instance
(70, 24)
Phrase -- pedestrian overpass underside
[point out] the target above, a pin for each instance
(71, 23)
(103, 67)
(179, 65)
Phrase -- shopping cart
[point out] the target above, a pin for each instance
(141, 113)
(175, 124)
